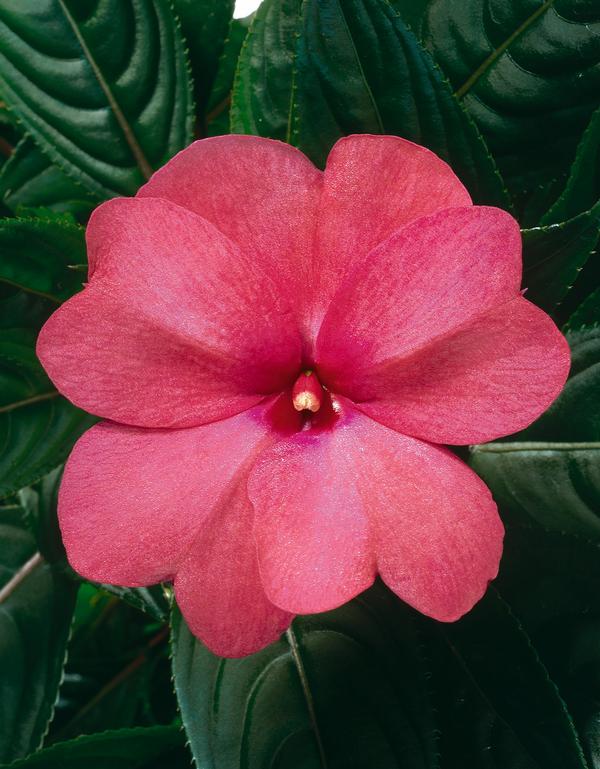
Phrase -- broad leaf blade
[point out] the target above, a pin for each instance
(217, 117)
(35, 617)
(154, 747)
(316, 71)
(352, 693)
(499, 706)
(102, 87)
(264, 85)
(369, 74)
(29, 180)
(204, 24)
(38, 256)
(527, 72)
(552, 581)
(38, 427)
(587, 314)
(554, 255)
(582, 190)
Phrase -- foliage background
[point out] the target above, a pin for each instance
(98, 93)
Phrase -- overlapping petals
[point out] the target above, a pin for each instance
(445, 346)
(335, 507)
(372, 187)
(237, 267)
(138, 506)
(177, 326)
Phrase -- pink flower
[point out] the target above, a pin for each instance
(262, 490)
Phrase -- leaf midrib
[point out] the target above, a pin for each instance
(296, 656)
(535, 446)
(128, 133)
(497, 52)
(28, 401)
(361, 68)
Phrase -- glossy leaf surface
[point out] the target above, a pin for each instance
(102, 87)
(527, 71)
(36, 607)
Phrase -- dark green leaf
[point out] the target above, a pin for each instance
(264, 85)
(412, 12)
(37, 426)
(204, 24)
(553, 583)
(118, 671)
(583, 186)
(554, 255)
(152, 600)
(556, 484)
(37, 256)
(36, 607)
(354, 677)
(39, 505)
(527, 71)
(588, 312)
(26, 309)
(102, 87)
(153, 747)
(551, 471)
(355, 68)
(217, 117)
(29, 180)
(498, 706)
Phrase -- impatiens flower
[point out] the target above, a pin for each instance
(277, 351)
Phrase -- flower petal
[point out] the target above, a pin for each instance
(374, 185)
(492, 377)
(176, 328)
(218, 586)
(444, 348)
(436, 529)
(310, 526)
(132, 500)
(263, 194)
(432, 526)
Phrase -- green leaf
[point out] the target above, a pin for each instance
(37, 255)
(38, 427)
(336, 67)
(36, 607)
(554, 255)
(217, 116)
(587, 314)
(102, 87)
(412, 12)
(262, 101)
(527, 71)
(39, 503)
(204, 24)
(346, 688)
(498, 705)
(118, 671)
(154, 747)
(151, 600)
(26, 309)
(582, 190)
(551, 472)
(552, 581)
(29, 180)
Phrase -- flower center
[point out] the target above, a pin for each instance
(307, 393)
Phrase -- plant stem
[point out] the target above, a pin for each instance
(35, 560)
